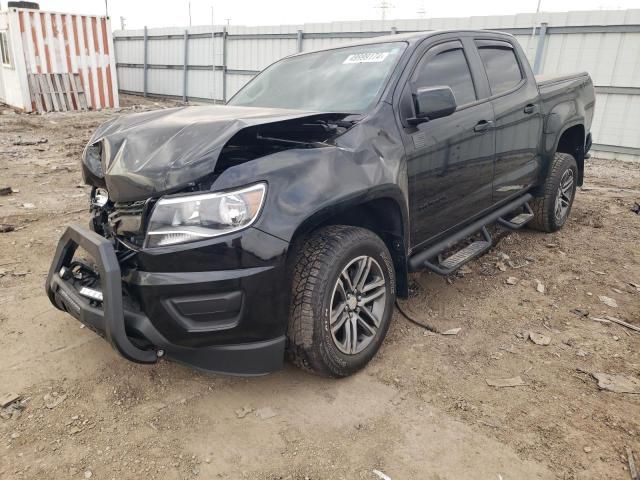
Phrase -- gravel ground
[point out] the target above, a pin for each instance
(422, 409)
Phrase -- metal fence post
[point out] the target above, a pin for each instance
(213, 62)
(299, 41)
(185, 65)
(145, 63)
(224, 65)
(542, 36)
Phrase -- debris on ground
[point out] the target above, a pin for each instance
(5, 191)
(6, 228)
(23, 143)
(539, 339)
(539, 286)
(580, 312)
(505, 382)
(633, 470)
(28, 206)
(636, 208)
(623, 323)
(617, 383)
(608, 301)
(244, 411)
(265, 413)
(381, 475)
(8, 398)
(452, 331)
(512, 281)
(52, 400)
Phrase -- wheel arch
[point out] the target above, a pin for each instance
(572, 141)
(384, 213)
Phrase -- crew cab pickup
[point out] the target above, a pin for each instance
(286, 222)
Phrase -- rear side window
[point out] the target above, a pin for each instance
(449, 68)
(502, 67)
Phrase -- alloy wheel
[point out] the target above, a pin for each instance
(357, 305)
(564, 195)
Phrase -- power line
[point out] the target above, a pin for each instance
(384, 6)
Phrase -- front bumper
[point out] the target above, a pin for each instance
(237, 343)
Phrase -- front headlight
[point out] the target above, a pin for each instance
(196, 217)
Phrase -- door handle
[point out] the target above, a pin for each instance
(531, 108)
(483, 126)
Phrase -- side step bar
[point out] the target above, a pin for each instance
(424, 258)
(519, 220)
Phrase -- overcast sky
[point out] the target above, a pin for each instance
(165, 13)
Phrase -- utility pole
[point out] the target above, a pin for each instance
(384, 6)
(106, 8)
(189, 13)
(123, 23)
(228, 21)
(533, 32)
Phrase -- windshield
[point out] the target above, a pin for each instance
(345, 80)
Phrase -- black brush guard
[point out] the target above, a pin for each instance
(108, 320)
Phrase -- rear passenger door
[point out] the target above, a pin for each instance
(518, 119)
(449, 159)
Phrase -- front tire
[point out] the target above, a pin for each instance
(343, 294)
(552, 207)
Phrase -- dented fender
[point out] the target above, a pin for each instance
(365, 163)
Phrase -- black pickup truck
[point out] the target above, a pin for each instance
(287, 221)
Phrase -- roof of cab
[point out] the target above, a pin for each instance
(410, 37)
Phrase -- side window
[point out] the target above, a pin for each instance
(4, 49)
(502, 67)
(449, 68)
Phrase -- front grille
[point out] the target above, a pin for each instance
(127, 220)
(130, 208)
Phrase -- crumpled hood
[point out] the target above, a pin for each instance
(146, 154)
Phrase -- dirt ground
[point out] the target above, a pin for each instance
(421, 410)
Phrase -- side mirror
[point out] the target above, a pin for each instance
(431, 103)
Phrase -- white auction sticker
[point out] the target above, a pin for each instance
(372, 57)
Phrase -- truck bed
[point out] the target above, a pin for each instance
(556, 89)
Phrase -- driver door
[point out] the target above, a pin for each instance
(450, 160)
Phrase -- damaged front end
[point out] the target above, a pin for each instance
(146, 155)
(129, 175)
(173, 259)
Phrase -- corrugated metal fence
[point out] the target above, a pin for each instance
(212, 62)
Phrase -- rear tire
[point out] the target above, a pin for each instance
(553, 206)
(343, 282)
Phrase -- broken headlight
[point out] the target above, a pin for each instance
(188, 218)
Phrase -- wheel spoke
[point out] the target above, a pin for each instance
(365, 274)
(346, 345)
(340, 289)
(372, 296)
(335, 313)
(370, 314)
(366, 326)
(345, 276)
(362, 266)
(353, 321)
(374, 284)
(339, 323)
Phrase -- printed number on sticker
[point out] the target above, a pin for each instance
(372, 57)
